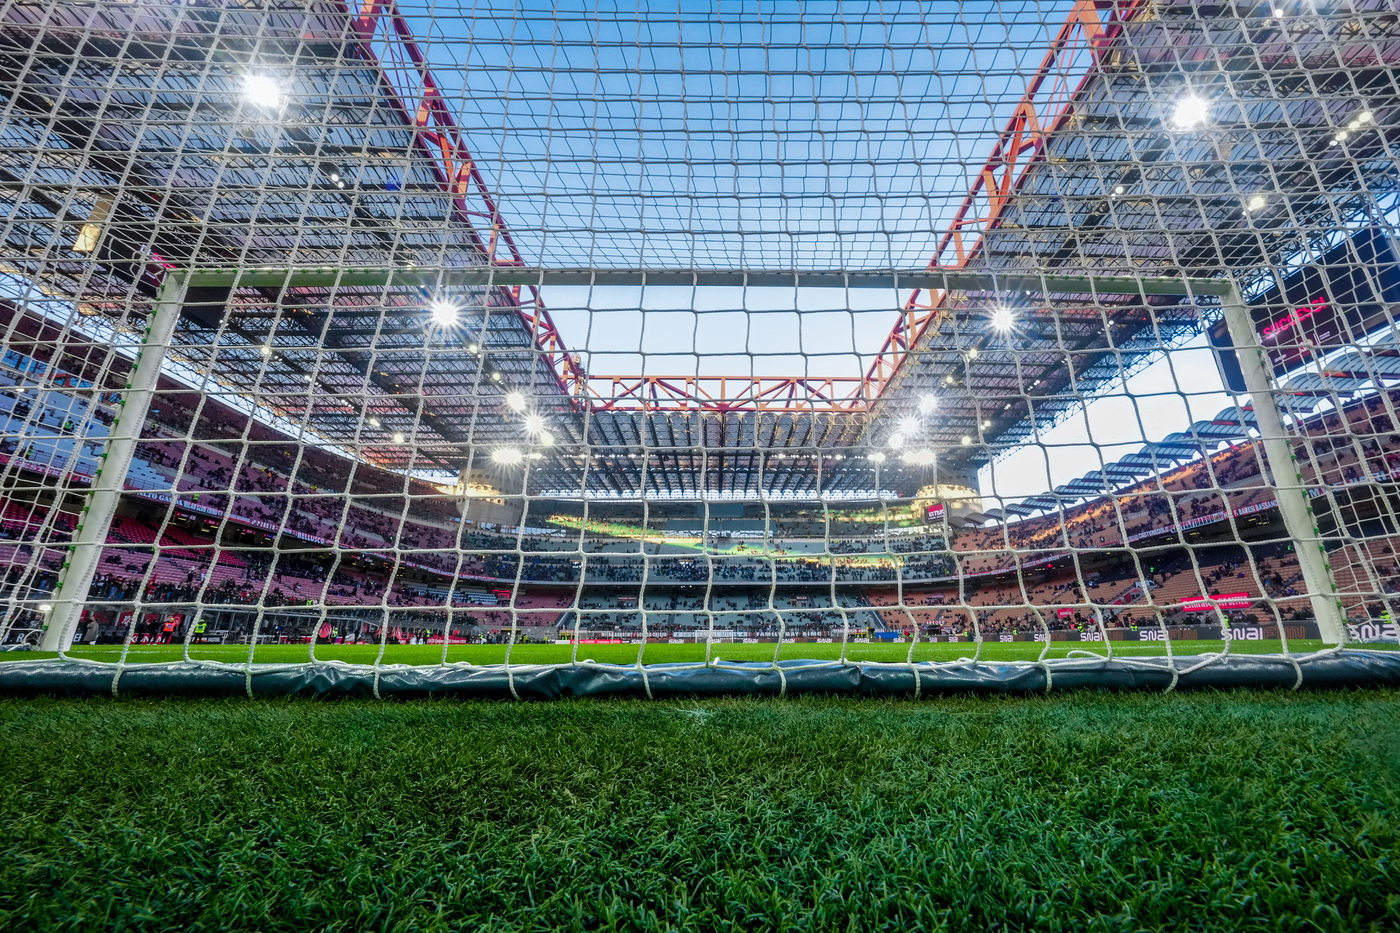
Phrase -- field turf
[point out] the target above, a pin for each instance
(658, 653)
(1085, 811)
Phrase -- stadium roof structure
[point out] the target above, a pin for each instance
(355, 161)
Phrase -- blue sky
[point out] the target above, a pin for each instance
(815, 135)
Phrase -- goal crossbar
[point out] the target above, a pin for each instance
(383, 276)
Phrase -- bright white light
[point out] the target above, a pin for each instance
(398, 437)
(929, 403)
(265, 350)
(495, 377)
(262, 91)
(507, 455)
(919, 457)
(1365, 116)
(1118, 189)
(443, 312)
(972, 353)
(1256, 202)
(986, 424)
(877, 457)
(515, 401)
(545, 439)
(967, 441)
(471, 348)
(908, 425)
(373, 421)
(534, 424)
(45, 607)
(1190, 111)
(1003, 320)
(896, 441)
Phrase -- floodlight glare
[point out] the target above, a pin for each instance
(443, 313)
(515, 401)
(46, 607)
(877, 457)
(398, 437)
(262, 91)
(373, 422)
(545, 439)
(534, 424)
(929, 403)
(507, 455)
(1190, 111)
(896, 441)
(1256, 202)
(1003, 319)
(908, 425)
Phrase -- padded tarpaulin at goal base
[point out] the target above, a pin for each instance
(661, 681)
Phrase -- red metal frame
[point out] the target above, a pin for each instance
(1045, 108)
(1047, 105)
(416, 96)
(774, 394)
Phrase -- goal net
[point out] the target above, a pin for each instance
(494, 350)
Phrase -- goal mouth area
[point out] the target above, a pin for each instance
(71, 677)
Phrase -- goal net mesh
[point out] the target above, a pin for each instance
(564, 348)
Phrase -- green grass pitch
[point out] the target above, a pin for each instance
(1086, 811)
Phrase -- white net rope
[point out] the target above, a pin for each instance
(510, 334)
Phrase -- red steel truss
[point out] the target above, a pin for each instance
(385, 39)
(772, 394)
(1046, 107)
(1048, 104)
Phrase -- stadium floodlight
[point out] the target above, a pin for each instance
(1003, 319)
(262, 90)
(908, 425)
(46, 607)
(534, 423)
(443, 313)
(507, 456)
(545, 439)
(877, 457)
(1190, 111)
(373, 421)
(922, 457)
(928, 404)
(1256, 202)
(515, 401)
(265, 349)
(399, 437)
(896, 441)
(966, 440)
